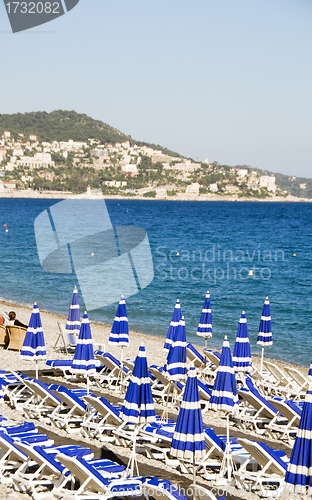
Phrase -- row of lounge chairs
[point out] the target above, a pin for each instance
(75, 411)
(32, 464)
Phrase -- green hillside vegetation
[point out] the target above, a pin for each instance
(64, 125)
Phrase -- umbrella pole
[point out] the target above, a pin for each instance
(37, 369)
(261, 362)
(88, 388)
(194, 469)
(228, 457)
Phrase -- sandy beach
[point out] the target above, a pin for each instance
(11, 360)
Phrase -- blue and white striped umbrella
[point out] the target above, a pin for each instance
(73, 320)
(34, 346)
(84, 362)
(188, 440)
(242, 361)
(138, 406)
(176, 317)
(176, 359)
(224, 393)
(299, 472)
(204, 328)
(120, 330)
(265, 328)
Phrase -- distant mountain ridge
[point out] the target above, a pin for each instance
(64, 125)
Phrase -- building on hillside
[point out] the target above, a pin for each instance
(17, 151)
(6, 134)
(115, 183)
(303, 185)
(2, 188)
(126, 144)
(32, 137)
(99, 153)
(242, 173)
(129, 168)
(186, 166)
(9, 185)
(72, 145)
(253, 181)
(193, 189)
(230, 188)
(268, 182)
(213, 187)
(40, 160)
(10, 166)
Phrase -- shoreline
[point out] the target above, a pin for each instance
(100, 334)
(58, 195)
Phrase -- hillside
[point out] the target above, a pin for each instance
(64, 125)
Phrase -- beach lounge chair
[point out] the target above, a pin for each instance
(281, 381)
(162, 385)
(213, 356)
(290, 411)
(16, 337)
(68, 415)
(269, 479)
(299, 380)
(160, 489)
(195, 357)
(43, 401)
(102, 421)
(69, 342)
(93, 484)
(49, 470)
(257, 412)
(110, 374)
(61, 367)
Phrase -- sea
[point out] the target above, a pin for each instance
(240, 251)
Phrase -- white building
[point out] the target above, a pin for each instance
(303, 185)
(242, 173)
(213, 187)
(72, 145)
(6, 134)
(193, 189)
(17, 151)
(40, 160)
(268, 182)
(230, 188)
(130, 169)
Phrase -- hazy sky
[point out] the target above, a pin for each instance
(227, 80)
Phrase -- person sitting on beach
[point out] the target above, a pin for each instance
(14, 321)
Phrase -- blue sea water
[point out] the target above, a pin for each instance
(196, 246)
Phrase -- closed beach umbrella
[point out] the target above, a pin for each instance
(176, 359)
(84, 362)
(176, 317)
(138, 407)
(34, 346)
(224, 397)
(299, 473)
(242, 361)
(265, 329)
(120, 330)
(204, 328)
(188, 441)
(73, 320)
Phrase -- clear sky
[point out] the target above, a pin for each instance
(227, 80)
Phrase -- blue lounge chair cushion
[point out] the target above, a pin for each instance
(197, 354)
(274, 455)
(18, 429)
(252, 388)
(213, 436)
(73, 396)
